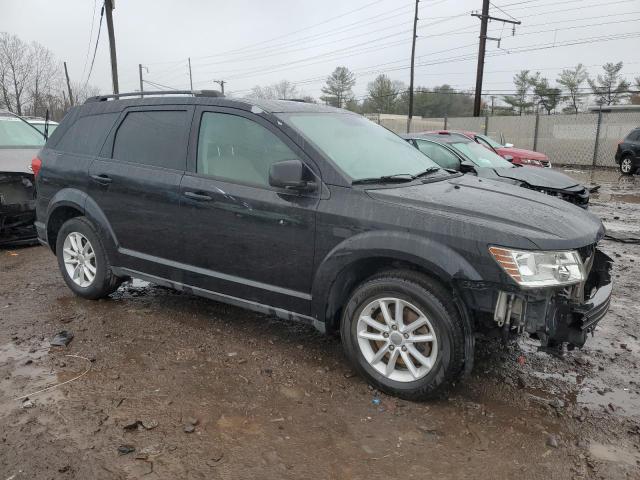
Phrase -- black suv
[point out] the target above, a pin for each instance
(628, 153)
(316, 214)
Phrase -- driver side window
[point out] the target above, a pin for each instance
(439, 154)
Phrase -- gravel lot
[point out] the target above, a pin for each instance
(203, 390)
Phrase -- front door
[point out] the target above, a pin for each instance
(244, 238)
(136, 182)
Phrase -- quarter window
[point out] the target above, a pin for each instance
(155, 137)
(238, 149)
(87, 134)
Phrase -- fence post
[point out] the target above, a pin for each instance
(486, 124)
(445, 122)
(535, 132)
(597, 143)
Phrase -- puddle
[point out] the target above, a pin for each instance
(610, 453)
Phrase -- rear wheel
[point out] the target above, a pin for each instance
(626, 165)
(404, 334)
(83, 261)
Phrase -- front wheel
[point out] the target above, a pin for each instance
(404, 334)
(83, 261)
(626, 166)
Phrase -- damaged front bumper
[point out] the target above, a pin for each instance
(557, 317)
(17, 208)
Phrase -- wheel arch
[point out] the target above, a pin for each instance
(357, 259)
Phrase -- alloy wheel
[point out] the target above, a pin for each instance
(79, 259)
(397, 339)
(625, 166)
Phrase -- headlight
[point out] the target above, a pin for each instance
(530, 161)
(540, 269)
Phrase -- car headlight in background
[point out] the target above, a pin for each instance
(529, 161)
(532, 269)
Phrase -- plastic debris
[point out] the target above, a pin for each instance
(62, 339)
(376, 401)
(125, 449)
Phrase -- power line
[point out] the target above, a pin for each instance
(93, 20)
(95, 50)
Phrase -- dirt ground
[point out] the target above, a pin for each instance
(201, 390)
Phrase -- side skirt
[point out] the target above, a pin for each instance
(221, 297)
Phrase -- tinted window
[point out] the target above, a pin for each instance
(439, 154)
(87, 134)
(239, 149)
(634, 136)
(155, 137)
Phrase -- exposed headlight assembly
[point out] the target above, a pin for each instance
(532, 269)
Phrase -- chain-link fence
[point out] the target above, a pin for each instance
(582, 139)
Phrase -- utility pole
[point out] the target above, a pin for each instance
(413, 58)
(191, 77)
(493, 98)
(221, 83)
(484, 21)
(140, 73)
(108, 6)
(66, 74)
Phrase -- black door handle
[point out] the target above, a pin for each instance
(101, 179)
(200, 197)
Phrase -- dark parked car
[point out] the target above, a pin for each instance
(19, 143)
(459, 153)
(628, 153)
(316, 214)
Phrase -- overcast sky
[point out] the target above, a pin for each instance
(257, 42)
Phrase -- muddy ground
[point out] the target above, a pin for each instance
(202, 390)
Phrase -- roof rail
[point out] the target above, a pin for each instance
(195, 93)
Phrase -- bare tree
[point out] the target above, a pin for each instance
(572, 80)
(611, 87)
(16, 68)
(45, 76)
(283, 90)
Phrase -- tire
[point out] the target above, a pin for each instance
(104, 282)
(432, 301)
(626, 165)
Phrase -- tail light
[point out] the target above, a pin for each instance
(36, 164)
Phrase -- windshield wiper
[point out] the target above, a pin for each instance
(428, 171)
(397, 178)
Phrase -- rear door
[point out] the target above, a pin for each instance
(243, 237)
(634, 141)
(136, 182)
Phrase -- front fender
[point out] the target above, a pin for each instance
(437, 259)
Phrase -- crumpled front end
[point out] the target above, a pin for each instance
(560, 317)
(17, 208)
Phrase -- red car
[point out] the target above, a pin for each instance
(519, 156)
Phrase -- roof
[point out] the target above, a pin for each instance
(442, 138)
(108, 103)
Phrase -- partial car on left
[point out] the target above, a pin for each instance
(19, 144)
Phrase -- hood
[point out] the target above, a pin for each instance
(17, 160)
(468, 207)
(538, 177)
(521, 153)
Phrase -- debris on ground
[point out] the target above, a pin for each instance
(62, 339)
(126, 449)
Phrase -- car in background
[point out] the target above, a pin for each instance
(459, 153)
(628, 153)
(40, 124)
(518, 156)
(19, 143)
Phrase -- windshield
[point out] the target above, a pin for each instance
(359, 147)
(16, 133)
(490, 141)
(40, 126)
(481, 156)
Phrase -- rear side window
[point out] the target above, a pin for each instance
(238, 149)
(87, 134)
(156, 138)
(634, 136)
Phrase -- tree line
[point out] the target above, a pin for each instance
(32, 80)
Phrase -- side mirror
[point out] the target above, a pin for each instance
(291, 175)
(508, 158)
(508, 145)
(467, 167)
